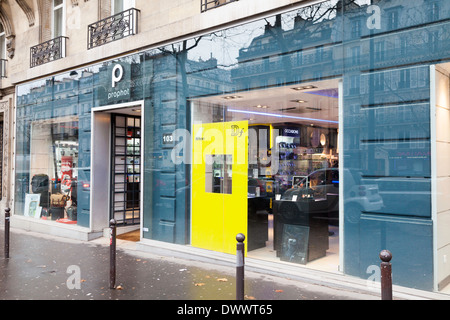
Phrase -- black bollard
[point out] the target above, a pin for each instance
(7, 216)
(386, 275)
(240, 252)
(112, 254)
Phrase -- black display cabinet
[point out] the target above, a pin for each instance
(300, 229)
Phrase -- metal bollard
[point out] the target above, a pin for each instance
(112, 254)
(386, 275)
(7, 227)
(240, 252)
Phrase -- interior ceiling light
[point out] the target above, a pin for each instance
(304, 88)
(231, 97)
(299, 101)
(262, 107)
(281, 116)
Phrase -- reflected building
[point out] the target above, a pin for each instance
(356, 90)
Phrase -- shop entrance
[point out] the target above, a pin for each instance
(125, 169)
(219, 187)
(292, 210)
(115, 180)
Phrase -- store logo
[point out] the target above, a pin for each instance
(117, 74)
(235, 132)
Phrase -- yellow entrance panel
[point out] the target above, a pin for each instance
(219, 185)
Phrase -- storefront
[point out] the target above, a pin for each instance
(315, 132)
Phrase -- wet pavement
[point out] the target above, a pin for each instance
(44, 267)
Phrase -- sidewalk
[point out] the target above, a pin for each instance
(43, 267)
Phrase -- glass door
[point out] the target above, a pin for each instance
(126, 165)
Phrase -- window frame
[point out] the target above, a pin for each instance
(61, 6)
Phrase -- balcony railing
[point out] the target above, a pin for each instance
(51, 50)
(113, 28)
(210, 4)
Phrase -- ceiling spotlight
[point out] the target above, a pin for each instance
(261, 107)
(299, 101)
(304, 87)
(231, 97)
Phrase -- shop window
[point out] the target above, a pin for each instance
(53, 171)
(218, 173)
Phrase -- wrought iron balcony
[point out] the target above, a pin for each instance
(113, 28)
(210, 4)
(51, 50)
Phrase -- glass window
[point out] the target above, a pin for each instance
(53, 169)
(2, 42)
(121, 5)
(58, 18)
(218, 173)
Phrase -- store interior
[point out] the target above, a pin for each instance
(53, 171)
(293, 182)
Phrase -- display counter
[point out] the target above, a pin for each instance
(300, 229)
(257, 222)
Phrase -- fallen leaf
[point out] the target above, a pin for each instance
(222, 279)
(249, 297)
(119, 288)
(82, 280)
(279, 290)
(199, 284)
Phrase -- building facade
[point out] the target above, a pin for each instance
(319, 129)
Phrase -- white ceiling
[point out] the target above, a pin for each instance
(278, 104)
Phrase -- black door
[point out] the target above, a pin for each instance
(126, 165)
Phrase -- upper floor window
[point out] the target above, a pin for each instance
(58, 9)
(121, 5)
(355, 29)
(392, 20)
(433, 12)
(2, 43)
(209, 4)
(2, 53)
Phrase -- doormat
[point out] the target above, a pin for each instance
(130, 236)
